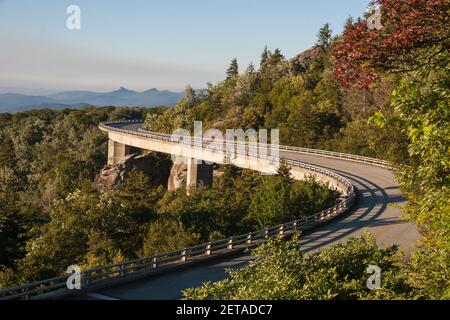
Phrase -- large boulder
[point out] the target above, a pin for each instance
(155, 166)
(178, 177)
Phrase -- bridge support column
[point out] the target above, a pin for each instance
(116, 152)
(199, 174)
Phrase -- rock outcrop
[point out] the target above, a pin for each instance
(178, 177)
(306, 56)
(156, 167)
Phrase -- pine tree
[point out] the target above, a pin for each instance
(277, 56)
(250, 69)
(348, 23)
(233, 69)
(264, 56)
(189, 93)
(324, 36)
(189, 100)
(274, 58)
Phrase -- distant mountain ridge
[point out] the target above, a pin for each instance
(13, 102)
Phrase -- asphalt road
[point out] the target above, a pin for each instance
(377, 211)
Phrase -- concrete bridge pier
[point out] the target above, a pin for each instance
(116, 152)
(198, 174)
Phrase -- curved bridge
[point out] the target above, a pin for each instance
(376, 210)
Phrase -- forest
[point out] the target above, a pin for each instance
(344, 94)
(53, 215)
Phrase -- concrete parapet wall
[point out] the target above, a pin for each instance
(213, 156)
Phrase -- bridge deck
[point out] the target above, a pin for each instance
(377, 211)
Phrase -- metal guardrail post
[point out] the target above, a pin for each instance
(208, 250)
(25, 293)
(266, 234)
(184, 256)
(249, 238)
(230, 244)
(86, 278)
(281, 231)
(155, 263)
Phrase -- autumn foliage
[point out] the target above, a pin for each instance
(412, 30)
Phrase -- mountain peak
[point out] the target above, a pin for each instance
(122, 96)
(151, 90)
(123, 90)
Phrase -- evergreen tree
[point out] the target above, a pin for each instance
(277, 55)
(348, 23)
(12, 232)
(165, 235)
(250, 69)
(189, 100)
(6, 150)
(324, 36)
(274, 58)
(264, 56)
(189, 93)
(233, 69)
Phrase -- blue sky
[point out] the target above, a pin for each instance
(142, 44)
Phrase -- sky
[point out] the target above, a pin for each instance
(142, 44)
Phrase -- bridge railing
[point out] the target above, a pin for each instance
(90, 277)
(323, 153)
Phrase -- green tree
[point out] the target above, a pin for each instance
(349, 23)
(270, 205)
(12, 231)
(423, 102)
(324, 36)
(63, 241)
(166, 235)
(120, 220)
(204, 212)
(233, 69)
(6, 150)
(280, 199)
(264, 56)
(415, 46)
(338, 272)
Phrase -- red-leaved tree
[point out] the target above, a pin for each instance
(413, 33)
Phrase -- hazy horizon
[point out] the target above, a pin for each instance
(46, 92)
(142, 45)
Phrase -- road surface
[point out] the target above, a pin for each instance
(377, 211)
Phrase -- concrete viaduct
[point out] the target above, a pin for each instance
(371, 200)
(376, 212)
(122, 135)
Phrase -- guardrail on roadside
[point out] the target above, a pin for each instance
(90, 277)
(323, 153)
(56, 287)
